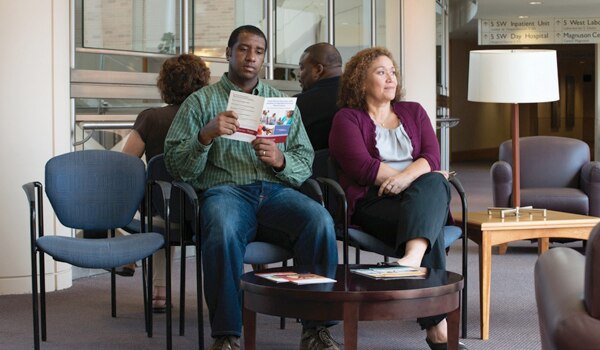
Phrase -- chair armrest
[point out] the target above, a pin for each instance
(34, 193)
(559, 285)
(592, 274)
(455, 182)
(590, 184)
(190, 194)
(464, 228)
(165, 191)
(192, 197)
(501, 173)
(311, 188)
(340, 213)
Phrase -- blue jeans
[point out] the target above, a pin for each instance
(229, 218)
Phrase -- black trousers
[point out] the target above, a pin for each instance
(420, 211)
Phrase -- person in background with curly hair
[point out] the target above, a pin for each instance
(389, 159)
(179, 77)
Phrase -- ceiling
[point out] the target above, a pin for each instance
(515, 8)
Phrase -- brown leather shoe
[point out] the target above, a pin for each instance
(318, 339)
(226, 342)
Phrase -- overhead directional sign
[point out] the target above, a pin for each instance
(539, 30)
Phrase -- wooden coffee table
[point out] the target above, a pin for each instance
(352, 298)
(488, 231)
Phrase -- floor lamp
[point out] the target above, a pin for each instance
(513, 76)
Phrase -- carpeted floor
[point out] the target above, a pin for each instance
(79, 317)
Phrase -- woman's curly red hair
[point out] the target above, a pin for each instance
(180, 76)
(352, 92)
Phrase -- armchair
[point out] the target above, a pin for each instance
(567, 292)
(556, 174)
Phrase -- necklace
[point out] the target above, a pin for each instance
(382, 124)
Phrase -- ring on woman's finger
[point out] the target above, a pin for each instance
(263, 153)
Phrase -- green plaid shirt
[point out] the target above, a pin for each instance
(224, 161)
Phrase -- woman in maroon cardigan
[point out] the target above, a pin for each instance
(390, 159)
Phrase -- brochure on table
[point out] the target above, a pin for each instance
(294, 277)
(392, 272)
(268, 117)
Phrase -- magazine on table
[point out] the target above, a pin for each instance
(294, 277)
(391, 272)
(266, 117)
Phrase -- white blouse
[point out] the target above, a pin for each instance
(394, 146)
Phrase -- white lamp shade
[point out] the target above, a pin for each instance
(513, 76)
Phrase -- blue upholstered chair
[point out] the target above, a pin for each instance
(335, 199)
(88, 190)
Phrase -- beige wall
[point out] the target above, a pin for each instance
(34, 126)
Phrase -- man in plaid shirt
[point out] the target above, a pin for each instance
(246, 185)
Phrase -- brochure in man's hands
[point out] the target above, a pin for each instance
(261, 117)
(294, 277)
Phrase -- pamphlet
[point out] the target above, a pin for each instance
(391, 272)
(294, 277)
(268, 117)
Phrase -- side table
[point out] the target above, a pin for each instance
(489, 230)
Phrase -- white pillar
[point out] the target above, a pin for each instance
(34, 126)
(418, 21)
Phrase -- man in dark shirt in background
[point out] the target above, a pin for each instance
(319, 76)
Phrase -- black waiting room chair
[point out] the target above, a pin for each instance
(183, 222)
(326, 169)
(258, 254)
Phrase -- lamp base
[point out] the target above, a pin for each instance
(517, 211)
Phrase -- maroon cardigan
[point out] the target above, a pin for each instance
(352, 146)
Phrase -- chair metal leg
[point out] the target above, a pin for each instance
(43, 295)
(150, 291)
(465, 265)
(282, 319)
(199, 296)
(113, 289)
(182, 291)
(169, 300)
(34, 295)
(145, 293)
(113, 293)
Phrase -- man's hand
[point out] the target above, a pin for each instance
(266, 150)
(225, 123)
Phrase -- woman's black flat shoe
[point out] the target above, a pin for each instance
(443, 346)
(124, 271)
